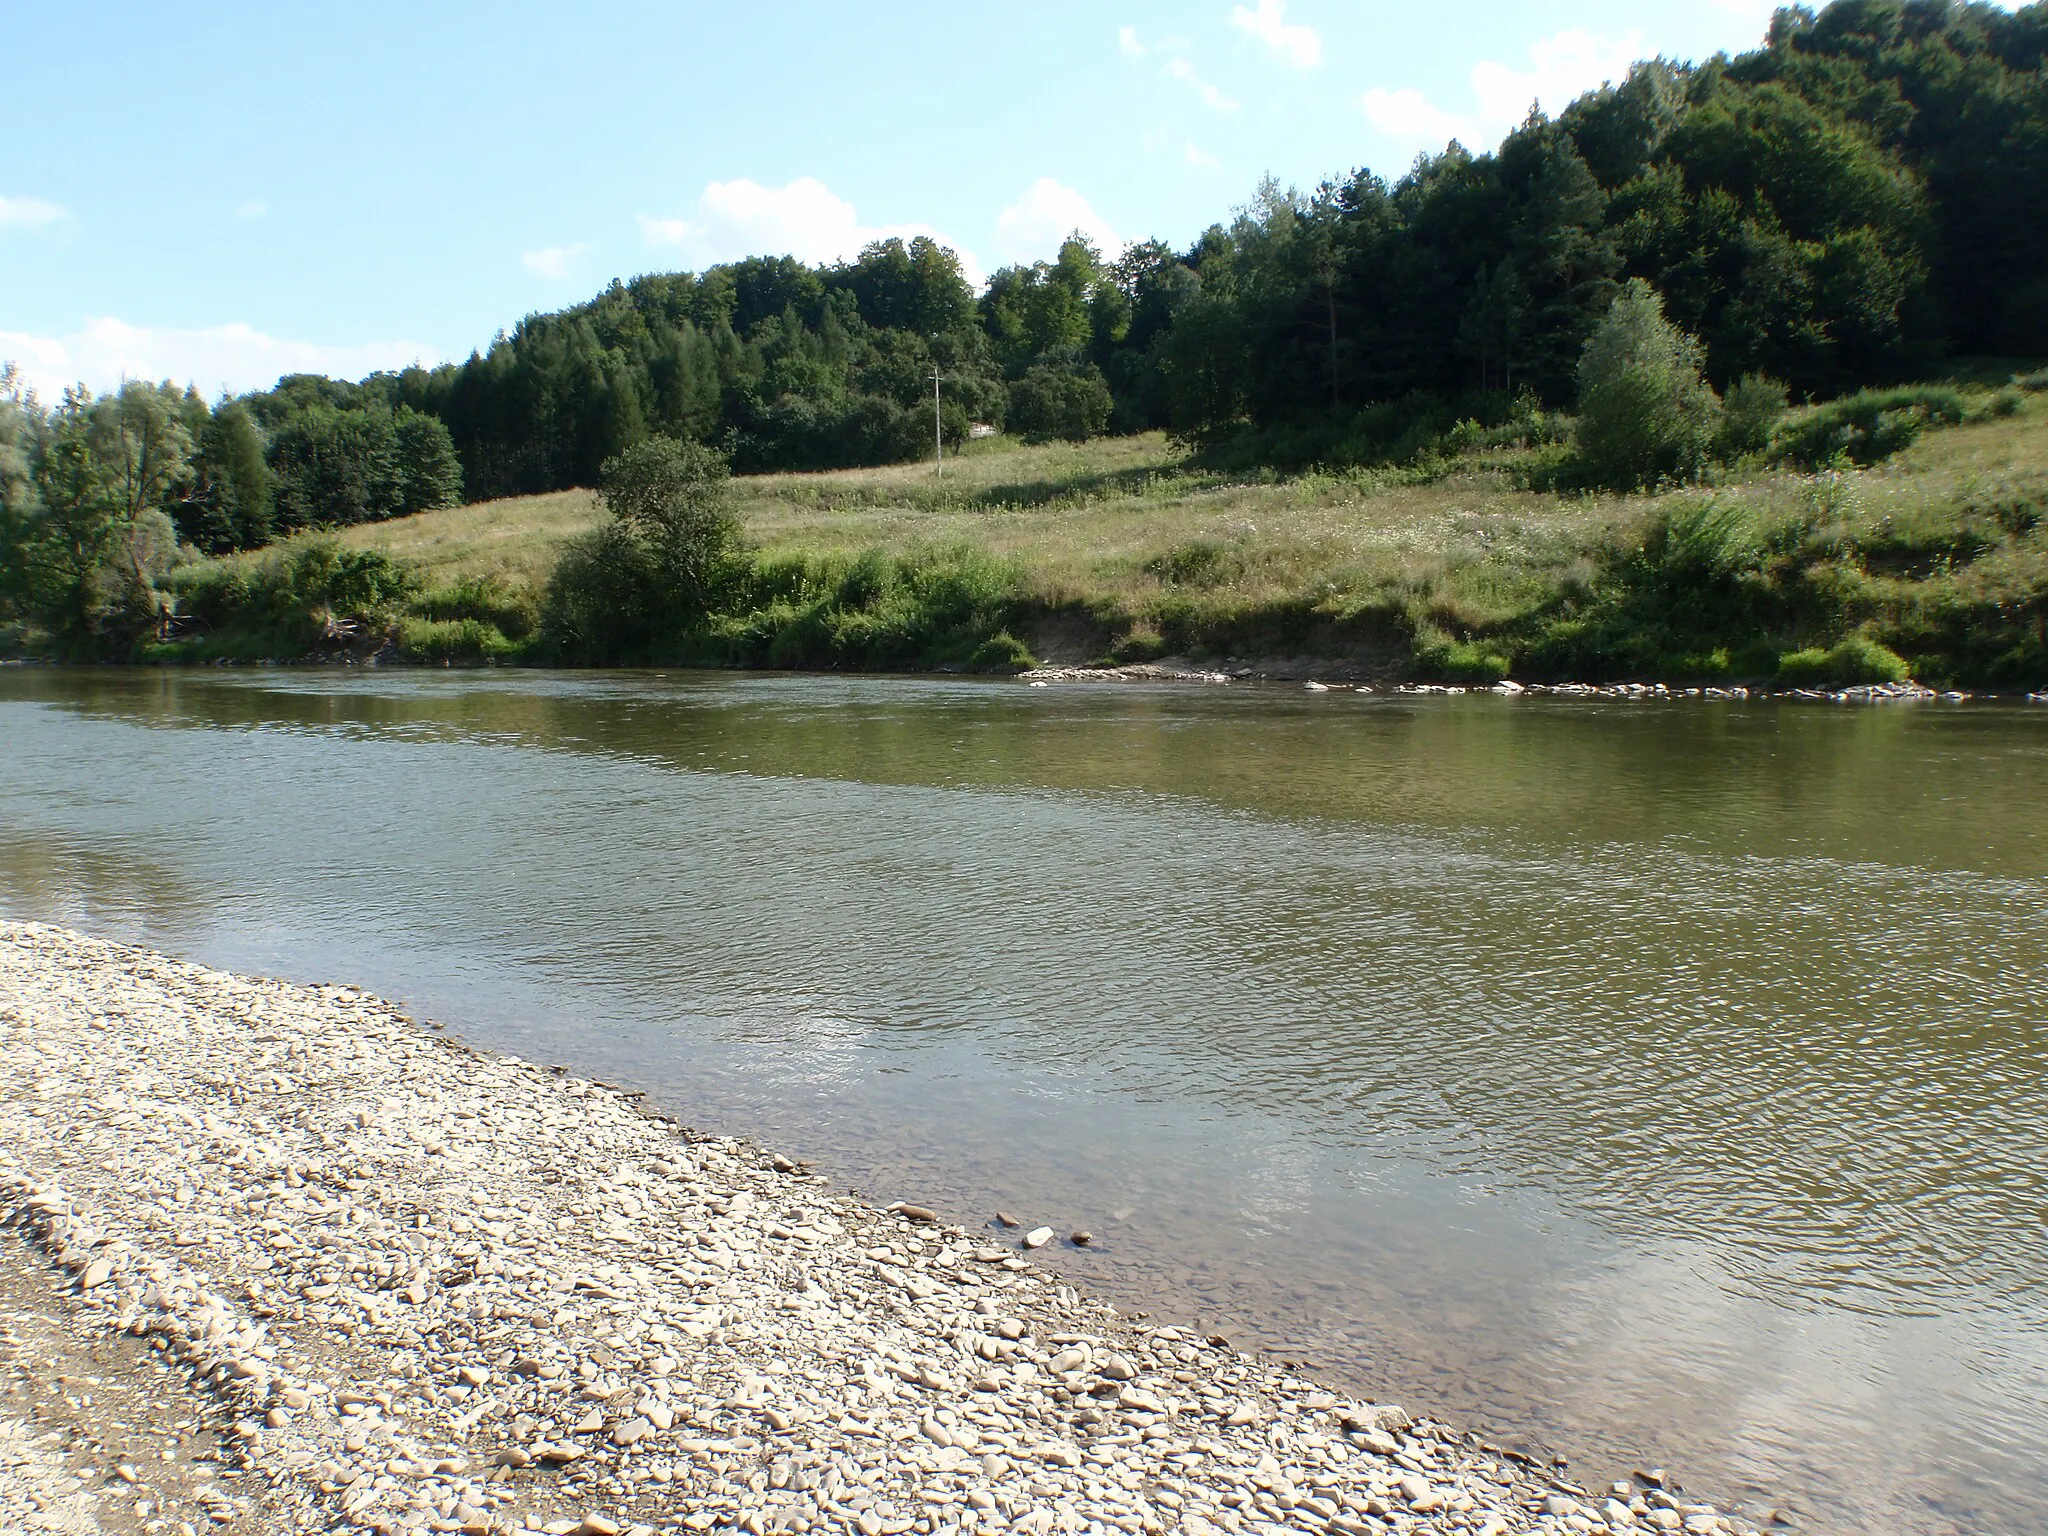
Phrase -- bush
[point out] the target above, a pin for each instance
(1853, 662)
(1053, 402)
(601, 603)
(1645, 413)
(1001, 652)
(1464, 661)
(453, 640)
(1869, 426)
(673, 499)
(486, 599)
(1750, 416)
(298, 597)
(1197, 563)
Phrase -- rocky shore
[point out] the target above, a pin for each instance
(1324, 681)
(281, 1259)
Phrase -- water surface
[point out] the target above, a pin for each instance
(1654, 1083)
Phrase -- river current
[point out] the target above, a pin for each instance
(1653, 1083)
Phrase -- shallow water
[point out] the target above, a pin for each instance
(1651, 1083)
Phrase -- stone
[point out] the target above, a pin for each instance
(756, 1352)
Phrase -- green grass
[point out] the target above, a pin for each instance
(1126, 548)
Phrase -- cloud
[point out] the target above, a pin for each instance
(1560, 68)
(805, 219)
(234, 357)
(1182, 70)
(1200, 159)
(1127, 42)
(552, 261)
(255, 208)
(1295, 44)
(28, 213)
(1412, 120)
(1035, 226)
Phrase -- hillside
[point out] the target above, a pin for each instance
(1125, 549)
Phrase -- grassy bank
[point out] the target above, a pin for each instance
(1930, 562)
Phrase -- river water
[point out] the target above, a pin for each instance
(1644, 1083)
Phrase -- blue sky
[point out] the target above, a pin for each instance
(220, 193)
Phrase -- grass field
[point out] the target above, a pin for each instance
(1127, 549)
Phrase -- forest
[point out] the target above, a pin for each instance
(1855, 203)
(1860, 203)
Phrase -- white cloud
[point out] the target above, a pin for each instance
(28, 213)
(1196, 156)
(255, 208)
(234, 357)
(1182, 70)
(552, 261)
(1559, 69)
(1294, 43)
(1412, 120)
(1035, 226)
(1127, 42)
(805, 219)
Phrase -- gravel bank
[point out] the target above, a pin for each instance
(426, 1289)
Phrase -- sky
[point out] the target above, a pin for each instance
(222, 193)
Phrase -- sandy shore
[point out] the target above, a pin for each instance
(281, 1259)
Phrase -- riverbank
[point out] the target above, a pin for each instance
(421, 1288)
(1462, 569)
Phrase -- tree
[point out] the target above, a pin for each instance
(424, 462)
(97, 542)
(21, 430)
(1050, 401)
(673, 498)
(1645, 413)
(228, 505)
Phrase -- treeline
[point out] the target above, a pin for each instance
(1856, 203)
(100, 497)
(1859, 200)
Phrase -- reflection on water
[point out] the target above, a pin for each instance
(1649, 1081)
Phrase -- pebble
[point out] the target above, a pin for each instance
(575, 1317)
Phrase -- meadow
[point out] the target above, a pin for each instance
(1128, 549)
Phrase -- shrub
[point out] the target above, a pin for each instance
(1645, 413)
(453, 640)
(1053, 402)
(1460, 661)
(673, 499)
(1001, 652)
(299, 596)
(486, 599)
(1869, 426)
(1198, 563)
(601, 602)
(1848, 663)
(1750, 416)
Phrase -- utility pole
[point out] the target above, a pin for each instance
(938, 431)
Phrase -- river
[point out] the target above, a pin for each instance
(1653, 1083)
